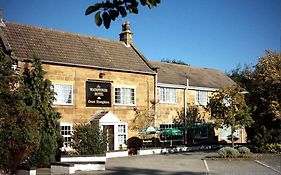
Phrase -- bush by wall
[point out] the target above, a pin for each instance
(228, 152)
(244, 151)
(88, 139)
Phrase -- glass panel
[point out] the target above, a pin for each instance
(117, 95)
(63, 93)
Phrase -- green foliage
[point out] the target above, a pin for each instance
(229, 108)
(273, 148)
(191, 116)
(244, 151)
(263, 84)
(109, 10)
(40, 96)
(18, 122)
(46, 152)
(89, 139)
(174, 61)
(143, 117)
(228, 152)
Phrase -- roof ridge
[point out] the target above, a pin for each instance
(188, 66)
(63, 32)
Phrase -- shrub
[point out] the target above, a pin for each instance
(228, 152)
(46, 152)
(273, 148)
(244, 151)
(88, 139)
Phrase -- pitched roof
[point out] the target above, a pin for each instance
(169, 73)
(74, 49)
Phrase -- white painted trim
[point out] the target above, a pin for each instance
(171, 86)
(130, 87)
(202, 88)
(83, 159)
(165, 90)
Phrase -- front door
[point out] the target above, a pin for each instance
(109, 129)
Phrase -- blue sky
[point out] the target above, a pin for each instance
(217, 34)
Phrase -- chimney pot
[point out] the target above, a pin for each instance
(126, 35)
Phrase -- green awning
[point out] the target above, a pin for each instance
(172, 132)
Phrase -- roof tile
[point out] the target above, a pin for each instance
(70, 48)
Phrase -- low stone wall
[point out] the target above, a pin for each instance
(117, 154)
(25, 171)
(69, 165)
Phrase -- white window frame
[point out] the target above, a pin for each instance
(57, 94)
(121, 96)
(168, 95)
(122, 134)
(66, 136)
(201, 100)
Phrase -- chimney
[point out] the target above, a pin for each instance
(2, 24)
(1, 13)
(126, 35)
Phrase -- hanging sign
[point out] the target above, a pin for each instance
(98, 94)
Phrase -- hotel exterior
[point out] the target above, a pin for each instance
(105, 81)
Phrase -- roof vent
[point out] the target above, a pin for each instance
(126, 35)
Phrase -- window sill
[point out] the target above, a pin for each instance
(63, 104)
(132, 105)
(171, 103)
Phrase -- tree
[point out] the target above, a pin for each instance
(144, 117)
(266, 98)
(174, 61)
(18, 122)
(40, 96)
(109, 10)
(228, 108)
(189, 120)
(263, 84)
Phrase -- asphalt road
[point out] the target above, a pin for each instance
(189, 163)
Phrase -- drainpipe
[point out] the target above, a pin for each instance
(155, 96)
(185, 107)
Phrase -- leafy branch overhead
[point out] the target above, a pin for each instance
(108, 11)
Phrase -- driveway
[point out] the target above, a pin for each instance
(189, 163)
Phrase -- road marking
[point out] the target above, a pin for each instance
(206, 166)
(263, 164)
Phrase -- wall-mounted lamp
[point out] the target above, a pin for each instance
(102, 74)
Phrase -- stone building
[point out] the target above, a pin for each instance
(182, 86)
(106, 81)
(90, 75)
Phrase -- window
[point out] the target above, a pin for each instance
(125, 96)
(64, 93)
(201, 98)
(171, 125)
(66, 130)
(168, 95)
(121, 134)
(225, 133)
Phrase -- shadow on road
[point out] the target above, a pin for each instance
(139, 171)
